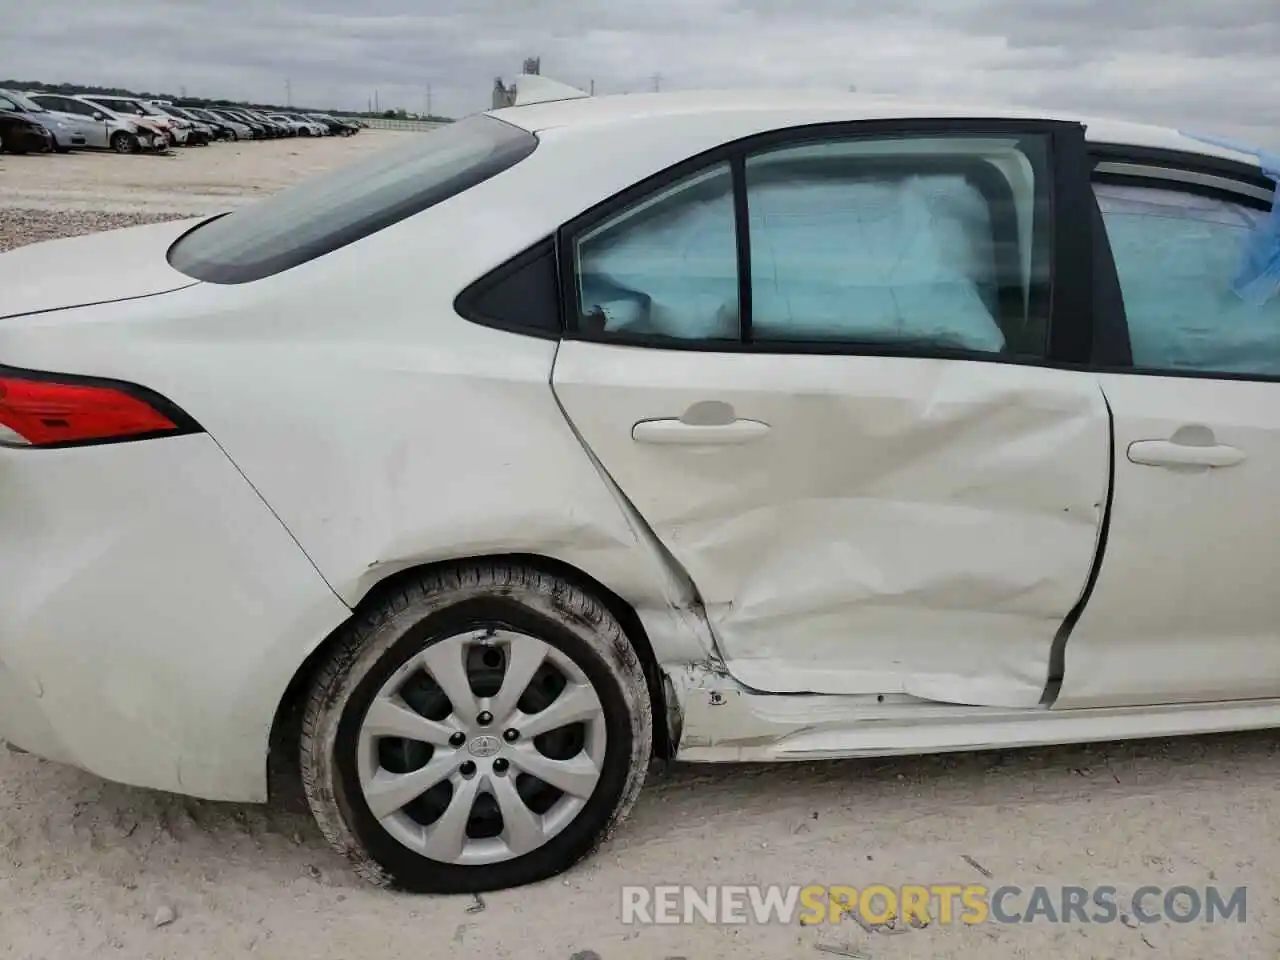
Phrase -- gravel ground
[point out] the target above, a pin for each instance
(18, 226)
(94, 869)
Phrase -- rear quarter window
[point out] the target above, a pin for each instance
(328, 212)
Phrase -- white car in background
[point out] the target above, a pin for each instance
(176, 132)
(103, 128)
(716, 427)
(302, 128)
(317, 128)
(198, 133)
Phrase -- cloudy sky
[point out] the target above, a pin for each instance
(1198, 63)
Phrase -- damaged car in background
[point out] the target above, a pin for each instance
(222, 127)
(106, 128)
(102, 128)
(22, 133)
(198, 133)
(63, 128)
(721, 427)
(145, 116)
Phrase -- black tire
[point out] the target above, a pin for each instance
(124, 142)
(399, 625)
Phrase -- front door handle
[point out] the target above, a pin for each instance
(679, 433)
(1167, 453)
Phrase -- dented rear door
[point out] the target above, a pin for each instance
(822, 368)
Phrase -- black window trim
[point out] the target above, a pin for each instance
(1180, 171)
(1180, 160)
(469, 304)
(1189, 181)
(1070, 321)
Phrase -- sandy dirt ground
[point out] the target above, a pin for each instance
(185, 181)
(91, 869)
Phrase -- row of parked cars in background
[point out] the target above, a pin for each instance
(35, 121)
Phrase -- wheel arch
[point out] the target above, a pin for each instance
(286, 724)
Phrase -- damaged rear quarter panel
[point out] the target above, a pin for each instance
(381, 428)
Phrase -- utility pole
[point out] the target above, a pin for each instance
(376, 108)
(183, 90)
(657, 82)
(593, 88)
(288, 92)
(429, 113)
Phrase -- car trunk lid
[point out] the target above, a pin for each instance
(97, 268)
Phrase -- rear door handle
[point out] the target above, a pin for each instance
(1167, 453)
(676, 432)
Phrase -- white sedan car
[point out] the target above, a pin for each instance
(715, 427)
(298, 127)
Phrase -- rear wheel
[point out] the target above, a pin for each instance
(481, 728)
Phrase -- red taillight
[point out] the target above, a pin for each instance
(46, 412)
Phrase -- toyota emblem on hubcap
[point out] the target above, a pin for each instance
(484, 746)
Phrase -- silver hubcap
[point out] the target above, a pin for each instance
(481, 748)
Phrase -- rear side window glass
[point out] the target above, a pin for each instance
(665, 267)
(1177, 254)
(321, 215)
(933, 242)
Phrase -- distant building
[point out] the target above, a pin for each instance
(505, 96)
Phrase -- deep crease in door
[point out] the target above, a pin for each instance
(928, 535)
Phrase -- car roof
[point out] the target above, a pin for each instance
(760, 111)
(82, 97)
